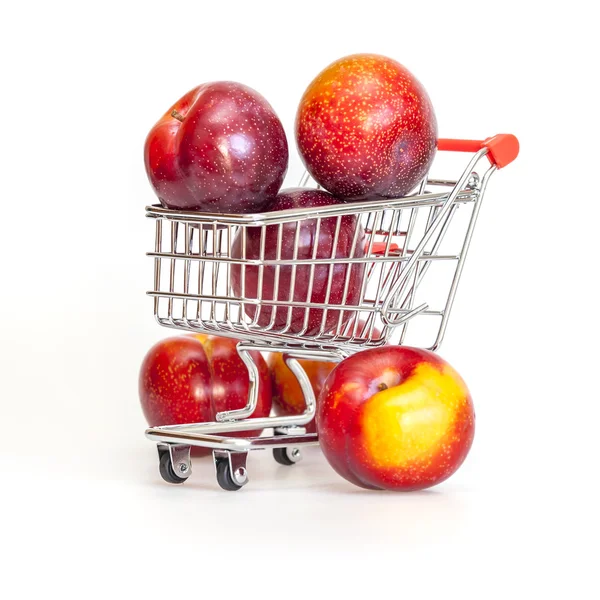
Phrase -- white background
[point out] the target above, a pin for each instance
(85, 513)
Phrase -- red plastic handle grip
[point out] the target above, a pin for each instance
(502, 148)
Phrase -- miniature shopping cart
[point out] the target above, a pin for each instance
(408, 258)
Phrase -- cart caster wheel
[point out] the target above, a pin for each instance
(225, 478)
(287, 456)
(166, 470)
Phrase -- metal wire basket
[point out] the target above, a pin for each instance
(360, 282)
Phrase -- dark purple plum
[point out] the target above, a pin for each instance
(347, 238)
(220, 148)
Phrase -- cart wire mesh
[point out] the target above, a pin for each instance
(345, 276)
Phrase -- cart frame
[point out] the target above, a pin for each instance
(393, 271)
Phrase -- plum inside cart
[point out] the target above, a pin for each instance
(242, 276)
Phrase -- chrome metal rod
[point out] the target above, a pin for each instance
(304, 179)
(293, 215)
(305, 385)
(253, 383)
(251, 424)
(412, 263)
(297, 261)
(461, 262)
(220, 442)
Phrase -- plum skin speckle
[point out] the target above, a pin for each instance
(225, 151)
(366, 128)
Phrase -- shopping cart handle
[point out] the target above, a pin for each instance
(502, 148)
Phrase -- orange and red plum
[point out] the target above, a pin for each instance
(366, 128)
(189, 379)
(288, 398)
(175, 383)
(395, 418)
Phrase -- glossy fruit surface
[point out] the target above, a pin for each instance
(220, 148)
(395, 418)
(188, 379)
(175, 383)
(230, 376)
(288, 398)
(299, 319)
(366, 128)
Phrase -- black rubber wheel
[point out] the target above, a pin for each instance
(281, 456)
(166, 470)
(224, 477)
